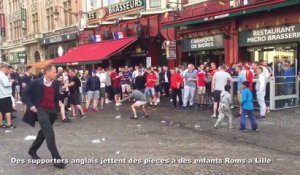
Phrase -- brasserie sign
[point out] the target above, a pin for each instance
(204, 43)
(125, 6)
(268, 36)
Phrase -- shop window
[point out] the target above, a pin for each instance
(155, 3)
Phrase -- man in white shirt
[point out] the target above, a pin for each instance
(220, 79)
(261, 91)
(102, 76)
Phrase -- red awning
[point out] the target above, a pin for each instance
(93, 52)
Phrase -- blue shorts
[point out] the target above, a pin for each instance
(149, 91)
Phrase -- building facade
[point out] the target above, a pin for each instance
(36, 30)
(113, 20)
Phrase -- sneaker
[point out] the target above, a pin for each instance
(72, 116)
(146, 116)
(10, 127)
(184, 107)
(243, 130)
(94, 110)
(215, 126)
(135, 117)
(66, 120)
(86, 110)
(214, 116)
(255, 129)
(69, 109)
(83, 116)
(102, 108)
(158, 100)
(171, 100)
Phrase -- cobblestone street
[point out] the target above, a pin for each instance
(171, 141)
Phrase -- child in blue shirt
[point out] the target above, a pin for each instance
(247, 106)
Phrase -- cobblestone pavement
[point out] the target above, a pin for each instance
(182, 139)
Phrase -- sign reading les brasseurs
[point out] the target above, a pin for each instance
(115, 10)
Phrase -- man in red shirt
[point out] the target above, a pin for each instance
(116, 84)
(150, 84)
(201, 84)
(176, 82)
(249, 75)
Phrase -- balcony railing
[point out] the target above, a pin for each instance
(213, 6)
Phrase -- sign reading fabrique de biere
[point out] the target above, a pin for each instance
(204, 43)
(271, 35)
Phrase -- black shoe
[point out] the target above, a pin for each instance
(184, 107)
(261, 117)
(83, 116)
(146, 116)
(33, 155)
(60, 165)
(66, 120)
(256, 129)
(13, 116)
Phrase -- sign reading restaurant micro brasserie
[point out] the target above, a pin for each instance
(271, 35)
(204, 43)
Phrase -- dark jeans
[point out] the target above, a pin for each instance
(252, 118)
(166, 89)
(46, 119)
(175, 93)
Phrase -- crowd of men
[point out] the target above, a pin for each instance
(186, 86)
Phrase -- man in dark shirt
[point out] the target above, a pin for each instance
(140, 81)
(74, 85)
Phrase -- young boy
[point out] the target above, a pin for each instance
(224, 107)
(141, 101)
(247, 107)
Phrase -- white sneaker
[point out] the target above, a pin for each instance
(214, 116)
(158, 100)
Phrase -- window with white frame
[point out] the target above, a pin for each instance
(155, 3)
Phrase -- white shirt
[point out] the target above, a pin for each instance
(221, 78)
(261, 83)
(47, 83)
(166, 77)
(5, 86)
(102, 78)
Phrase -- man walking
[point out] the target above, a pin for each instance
(41, 97)
(261, 92)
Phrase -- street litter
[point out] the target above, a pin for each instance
(96, 141)
(197, 126)
(29, 137)
(118, 117)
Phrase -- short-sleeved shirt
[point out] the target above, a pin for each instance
(240, 79)
(221, 79)
(102, 77)
(116, 82)
(75, 88)
(190, 75)
(201, 78)
(151, 76)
